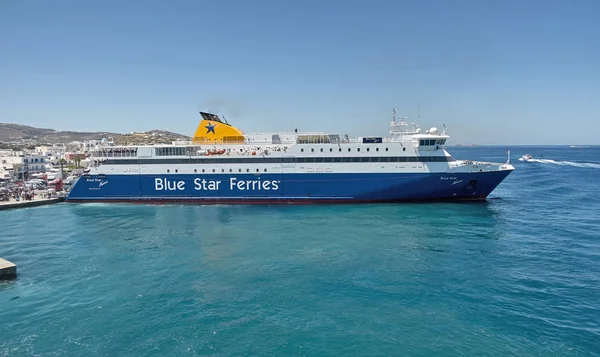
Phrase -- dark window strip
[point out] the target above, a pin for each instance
(275, 160)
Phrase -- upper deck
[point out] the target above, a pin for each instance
(215, 136)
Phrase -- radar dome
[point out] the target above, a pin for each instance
(433, 131)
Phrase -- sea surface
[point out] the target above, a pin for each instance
(518, 275)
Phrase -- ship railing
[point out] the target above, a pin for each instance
(115, 152)
(341, 141)
(219, 150)
(288, 133)
(250, 141)
(246, 141)
(245, 151)
(303, 141)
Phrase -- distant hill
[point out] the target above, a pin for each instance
(149, 137)
(23, 134)
(12, 132)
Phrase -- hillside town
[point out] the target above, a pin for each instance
(34, 163)
(45, 170)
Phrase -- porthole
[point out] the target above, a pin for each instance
(340, 150)
(330, 149)
(168, 170)
(367, 149)
(349, 149)
(376, 149)
(403, 149)
(386, 149)
(230, 170)
(213, 170)
(247, 170)
(301, 150)
(195, 170)
(265, 170)
(257, 170)
(321, 149)
(312, 150)
(358, 149)
(176, 171)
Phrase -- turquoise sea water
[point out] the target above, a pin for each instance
(517, 275)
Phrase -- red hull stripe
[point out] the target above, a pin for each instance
(272, 201)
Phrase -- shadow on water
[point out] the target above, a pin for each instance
(218, 236)
(179, 216)
(7, 284)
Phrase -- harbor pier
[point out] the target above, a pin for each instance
(8, 270)
(31, 203)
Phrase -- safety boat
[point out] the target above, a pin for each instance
(526, 157)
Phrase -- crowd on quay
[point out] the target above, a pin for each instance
(20, 193)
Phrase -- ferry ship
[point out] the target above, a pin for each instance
(221, 164)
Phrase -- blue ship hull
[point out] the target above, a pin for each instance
(286, 188)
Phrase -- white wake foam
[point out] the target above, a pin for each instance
(567, 163)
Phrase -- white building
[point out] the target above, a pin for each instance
(52, 154)
(50, 150)
(21, 164)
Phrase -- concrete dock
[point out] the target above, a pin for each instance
(36, 202)
(8, 270)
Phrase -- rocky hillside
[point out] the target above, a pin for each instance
(16, 132)
(27, 135)
(149, 137)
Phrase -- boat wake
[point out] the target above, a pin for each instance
(566, 163)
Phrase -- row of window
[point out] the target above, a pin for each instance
(430, 142)
(173, 151)
(277, 160)
(214, 170)
(117, 152)
(30, 167)
(187, 151)
(33, 160)
(349, 149)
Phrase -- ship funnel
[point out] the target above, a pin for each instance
(214, 130)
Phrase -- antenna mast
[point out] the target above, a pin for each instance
(394, 115)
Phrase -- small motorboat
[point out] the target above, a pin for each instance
(526, 157)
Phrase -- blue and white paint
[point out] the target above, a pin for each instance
(409, 166)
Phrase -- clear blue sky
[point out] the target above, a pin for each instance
(495, 72)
